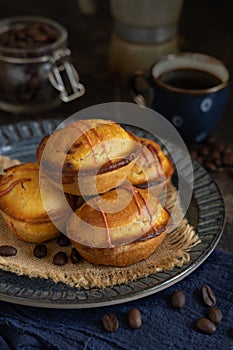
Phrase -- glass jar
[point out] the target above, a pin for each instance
(38, 77)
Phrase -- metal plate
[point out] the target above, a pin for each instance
(206, 213)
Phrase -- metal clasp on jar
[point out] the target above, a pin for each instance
(62, 68)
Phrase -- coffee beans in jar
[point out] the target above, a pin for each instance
(29, 35)
(33, 51)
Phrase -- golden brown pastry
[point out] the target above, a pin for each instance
(88, 157)
(152, 167)
(6, 162)
(22, 207)
(119, 228)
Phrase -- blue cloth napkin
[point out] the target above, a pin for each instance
(163, 327)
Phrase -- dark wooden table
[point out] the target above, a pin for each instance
(205, 26)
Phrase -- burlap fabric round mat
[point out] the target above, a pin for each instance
(174, 251)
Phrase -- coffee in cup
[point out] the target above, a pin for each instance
(189, 89)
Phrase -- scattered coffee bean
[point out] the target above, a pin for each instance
(230, 332)
(215, 315)
(193, 153)
(218, 163)
(205, 326)
(210, 166)
(74, 256)
(199, 159)
(178, 299)
(228, 159)
(208, 295)
(204, 151)
(211, 140)
(7, 250)
(63, 241)
(228, 150)
(60, 258)
(40, 251)
(110, 322)
(135, 318)
(213, 155)
(216, 154)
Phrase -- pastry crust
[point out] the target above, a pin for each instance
(23, 209)
(88, 157)
(152, 168)
(122, 256)
(116, 222)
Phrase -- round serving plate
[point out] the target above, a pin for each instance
(206, 214)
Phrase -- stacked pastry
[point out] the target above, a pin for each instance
(119, 176)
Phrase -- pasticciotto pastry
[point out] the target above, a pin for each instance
(152, 168)
(23, 208)
(88, 157)
(118, 228)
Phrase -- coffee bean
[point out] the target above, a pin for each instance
(215, 315)
(216, 154)
(41, 38)
(110, 322)
(228, 159)
(230, 332)
(205, 326)
(75, 257)
(178, 299)
(213, 155)
(60, 258)
(193, 153)
(221, 147)
(228, 150)
(63, 241)
(208, 295)
(200, 160)
(210, 166)
(204, 151)
(218, 163)
(7, 250)
(211, 140)
(40, 251)
(135, 318)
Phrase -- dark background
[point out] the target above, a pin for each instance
(205, 26)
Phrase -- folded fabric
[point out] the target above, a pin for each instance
(163, 326)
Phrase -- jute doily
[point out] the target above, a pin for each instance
(172, 252)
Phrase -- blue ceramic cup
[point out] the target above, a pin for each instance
(189, 89)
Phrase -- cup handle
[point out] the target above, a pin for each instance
(140, 94)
